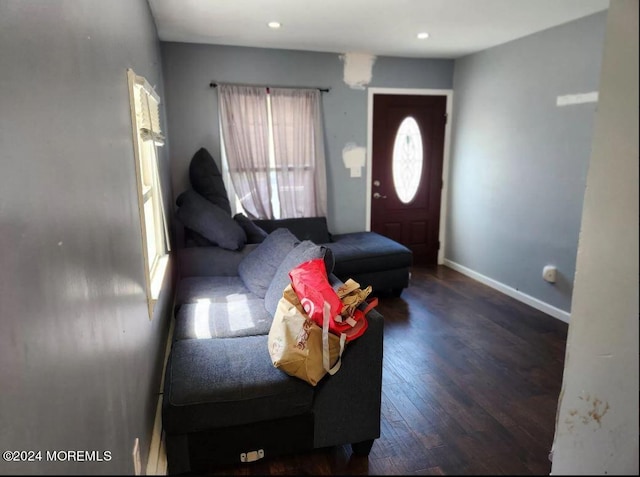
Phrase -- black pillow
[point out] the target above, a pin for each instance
(207, 181)
(209, 220)
(194, 239)
(254, 233)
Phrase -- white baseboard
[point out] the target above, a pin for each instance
(157, 461)
(512, 292)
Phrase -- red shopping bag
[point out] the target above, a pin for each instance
(309, 281)
(355, 325)
(311, 285)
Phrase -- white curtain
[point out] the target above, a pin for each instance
(298, 141)
(244, 121)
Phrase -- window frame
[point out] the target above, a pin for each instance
(154, 229)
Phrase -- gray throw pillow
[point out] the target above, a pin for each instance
(303, 252)
(209, 220)
(258, 268)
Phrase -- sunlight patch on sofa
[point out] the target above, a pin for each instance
(201, 323)
(238, 312)
(222, 315)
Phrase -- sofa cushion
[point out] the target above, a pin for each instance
(211, 261)
(195, 289)
(239, 386)
(254, 233)
(210, 221)
(206, 179)
(223, 316)
(303, 252)
(305, 228)
(362, 252)
(258, 268)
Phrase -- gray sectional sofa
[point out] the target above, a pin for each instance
(223, 400)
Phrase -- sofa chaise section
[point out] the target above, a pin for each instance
(367, 257)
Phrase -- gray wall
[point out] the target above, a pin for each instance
(80, 360)
(193, 118)
(597, 425)
(519, 162)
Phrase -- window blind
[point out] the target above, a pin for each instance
(148, 113)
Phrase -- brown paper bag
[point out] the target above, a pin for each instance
(300, 347)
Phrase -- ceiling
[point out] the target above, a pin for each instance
(379, 27)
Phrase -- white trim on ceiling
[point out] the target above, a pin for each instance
(445, 160)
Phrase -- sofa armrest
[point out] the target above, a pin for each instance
(208, 261)
(347, 404)
(304, 228)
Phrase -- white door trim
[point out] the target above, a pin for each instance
(445, 159)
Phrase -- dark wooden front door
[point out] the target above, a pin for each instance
(406, 184)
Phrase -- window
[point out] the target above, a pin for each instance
(273, 149)
(147, 137)
(407, 160)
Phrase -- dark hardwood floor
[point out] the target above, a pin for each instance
(471, 382)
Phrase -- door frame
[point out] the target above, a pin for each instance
(445, 159)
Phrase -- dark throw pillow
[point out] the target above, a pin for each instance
(207, 181)
(254, 233)
(209, 220)
(258, 268)
(194, 239)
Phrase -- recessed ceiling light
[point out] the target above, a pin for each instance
(423, 35)
(274, 25)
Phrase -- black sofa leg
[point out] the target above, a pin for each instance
(362, 448)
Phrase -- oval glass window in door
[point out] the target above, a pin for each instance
(407, 160)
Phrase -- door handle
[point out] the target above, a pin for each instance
(377, 195)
